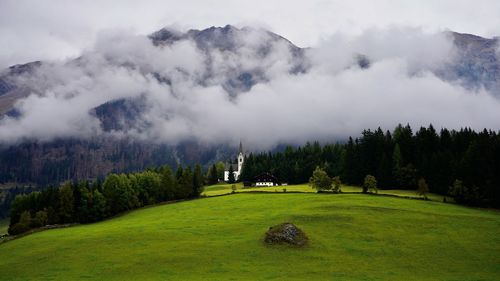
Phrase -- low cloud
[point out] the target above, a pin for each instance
(186, 96)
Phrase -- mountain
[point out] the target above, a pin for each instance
(477, 63)
(236, 59)
(231, 39)
(10, 89)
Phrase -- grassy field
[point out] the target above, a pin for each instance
(225, 188)
(4, 225)
(352, 237)
(220, 189)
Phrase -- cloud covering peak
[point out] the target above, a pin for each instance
(219, 86)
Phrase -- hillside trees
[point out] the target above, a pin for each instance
(116, 188)
(397, 159)
(98, 209)
(185, 183)
(220, 169)
(84, 202)
(66, 203)
(168, 183)
(40, 219)
(197, 181)
(23, 225)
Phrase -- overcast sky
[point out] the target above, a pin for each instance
(54, 29)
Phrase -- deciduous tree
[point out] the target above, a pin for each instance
(336, 184)
(423, 188)
(320, 180)
(370, 184)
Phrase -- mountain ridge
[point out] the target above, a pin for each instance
(478, 66)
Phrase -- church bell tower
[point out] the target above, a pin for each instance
(241, 158)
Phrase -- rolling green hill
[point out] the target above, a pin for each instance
(352, 236)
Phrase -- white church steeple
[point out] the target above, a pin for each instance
(235, 167)
(241, 158)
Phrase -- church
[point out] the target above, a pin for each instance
(235, 167)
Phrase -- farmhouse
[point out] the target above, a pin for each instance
(236, 168)
(266, 179)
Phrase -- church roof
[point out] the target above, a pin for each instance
(228, 165)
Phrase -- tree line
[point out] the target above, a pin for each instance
(464, 164)
(85, 201)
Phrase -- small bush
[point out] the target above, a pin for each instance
(423, 188)
(18, 228)
(40, 219)
(23, 225)
(336, 183)
(370, 184)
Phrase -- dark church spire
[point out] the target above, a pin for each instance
(241, 147)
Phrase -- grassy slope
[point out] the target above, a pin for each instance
(352, 236)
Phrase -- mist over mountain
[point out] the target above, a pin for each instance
(189, 95)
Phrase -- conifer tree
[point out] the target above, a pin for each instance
(197, 181)
(212, 175)
(98, 210)
(185, 183)
(168, 183)
(231, 178)
(66, 203)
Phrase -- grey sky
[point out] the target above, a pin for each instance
(55, 29)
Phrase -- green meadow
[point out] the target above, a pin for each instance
(352, 237)
(224, 188)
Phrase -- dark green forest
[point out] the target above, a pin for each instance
(464, 164)
(85, 201)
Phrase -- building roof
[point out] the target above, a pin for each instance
(265, 177)
(228, 165)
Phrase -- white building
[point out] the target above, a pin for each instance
(235, 167)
